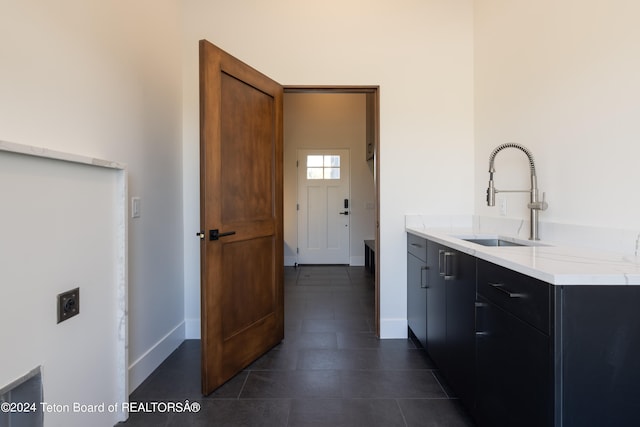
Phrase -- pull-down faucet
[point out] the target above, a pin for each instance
(535, 205)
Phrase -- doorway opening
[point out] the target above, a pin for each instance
(333, 118)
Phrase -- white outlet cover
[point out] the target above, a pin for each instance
(503, 206)
(135, 207)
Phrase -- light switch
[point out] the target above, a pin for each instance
(135, 207)
(503, 206)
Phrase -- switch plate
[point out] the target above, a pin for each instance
(135, 207)
(68, 304)
(503, 206)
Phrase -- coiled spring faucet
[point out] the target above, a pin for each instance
(534, 205)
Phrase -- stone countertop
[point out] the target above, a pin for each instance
(551, 263)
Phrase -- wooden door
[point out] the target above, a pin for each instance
(242, 264)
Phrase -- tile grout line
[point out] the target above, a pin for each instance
(243, 384)
(404, 419)
(439, 383)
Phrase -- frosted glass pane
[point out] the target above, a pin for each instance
(314, 173)
(314, 161)
(332, 173)
(332, 161)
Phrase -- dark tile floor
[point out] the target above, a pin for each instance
(330, 370)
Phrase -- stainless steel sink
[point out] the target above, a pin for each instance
(496, 242)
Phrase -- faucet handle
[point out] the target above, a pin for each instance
(540, 205)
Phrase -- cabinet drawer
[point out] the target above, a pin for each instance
(417, 246)
(523, 296)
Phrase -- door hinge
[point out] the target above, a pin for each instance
(297, 250)
(297, 206)
(297, 163)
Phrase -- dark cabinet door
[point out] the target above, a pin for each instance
(417, 298)
(600, 360)
(436, 306)
(461, 338)
(513, 371)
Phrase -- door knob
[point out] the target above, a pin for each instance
(344, 213)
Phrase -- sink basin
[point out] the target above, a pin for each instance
(494, 242)
(498, 241)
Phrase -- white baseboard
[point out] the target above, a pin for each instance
(356, 261)
(192, 329)
(290, 261)
(393, 328)
(142, 367)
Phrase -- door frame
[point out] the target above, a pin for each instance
(373, 135)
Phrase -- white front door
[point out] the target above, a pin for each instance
(323, 206)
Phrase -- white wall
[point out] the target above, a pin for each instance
(62, 227)
(420, 53)
(313, 120)
(561, 77)
(102, 79)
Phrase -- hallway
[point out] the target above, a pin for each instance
(330, 370)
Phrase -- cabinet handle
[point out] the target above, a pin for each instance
(446, 266)
(501, 288)
(416, 245)
(478, 305)
(423, 277)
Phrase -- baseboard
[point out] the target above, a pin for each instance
(142, 367)
(393, 328)
(192, 329)
(356, 261)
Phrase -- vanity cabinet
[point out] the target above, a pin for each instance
(417, 287)
(562, 356)
(451, 295)
(518, 351)
(513, 348)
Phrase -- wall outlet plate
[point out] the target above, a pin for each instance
(135, 207)
(503, 206)
(68, 304)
